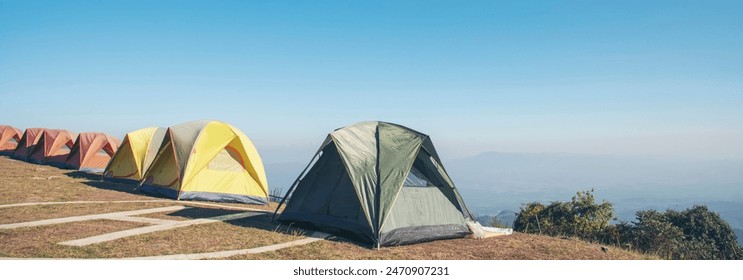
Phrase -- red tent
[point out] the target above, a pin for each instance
(52, 148)
(28, 143)
(92, 151)
(9, 138)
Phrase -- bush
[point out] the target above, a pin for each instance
(581, 217)
(695, 233)
(652, 233)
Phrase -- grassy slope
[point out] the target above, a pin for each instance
(22, 182)
(515, 247)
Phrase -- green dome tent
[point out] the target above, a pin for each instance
(381, 183)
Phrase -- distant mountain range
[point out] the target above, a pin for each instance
(511, 179)
(522, 172)
(531, 172)
(505, 218)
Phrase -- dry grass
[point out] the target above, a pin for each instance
(234, 235)
(42, 212)
(514, 247)
(21, 182)
(41, 242)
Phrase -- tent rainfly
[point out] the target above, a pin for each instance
(134, 155)
(381, 183)
(9, 138)
(92, 151)
(27, 144)
(52, 148)
(207, 160)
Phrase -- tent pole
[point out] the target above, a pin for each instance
(294, 185)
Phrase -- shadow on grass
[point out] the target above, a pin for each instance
(261, 221)
(94, 180)
(83, 175)
(112, 187)
(337, 235)
(202, 213)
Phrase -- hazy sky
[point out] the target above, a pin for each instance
(607, 77)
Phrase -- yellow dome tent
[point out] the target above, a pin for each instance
(134, 156)
(207, 160)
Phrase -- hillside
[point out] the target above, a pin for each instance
(514, 247)
(21, 182)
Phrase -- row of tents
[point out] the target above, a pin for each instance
(88, 151)
(201, 160)
(380, 182)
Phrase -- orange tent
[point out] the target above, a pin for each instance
(28, 143)
(52, 148)
(92, 151)
(9, 138)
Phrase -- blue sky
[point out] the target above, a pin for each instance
(599, 77)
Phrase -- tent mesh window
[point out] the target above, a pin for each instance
(417, 179)
(226, 160)
(64, 149)
(12, 140)
(101, 152)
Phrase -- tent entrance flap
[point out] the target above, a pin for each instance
(422, 202)
(327, 191)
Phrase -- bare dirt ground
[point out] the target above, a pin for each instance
(22, 182)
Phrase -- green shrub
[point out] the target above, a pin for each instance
(695, 233)
(581, 217)
(692, 234)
